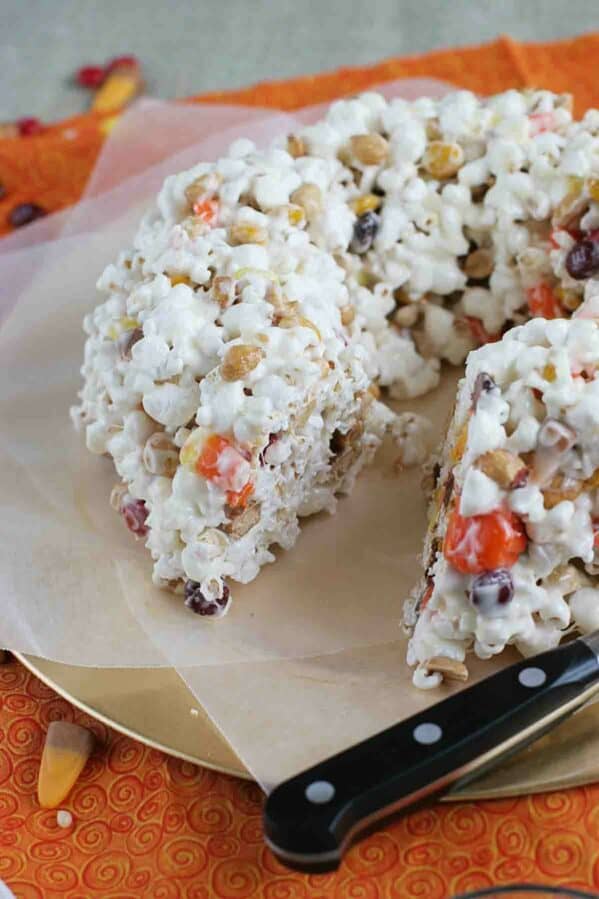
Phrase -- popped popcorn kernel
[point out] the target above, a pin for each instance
(443, 160)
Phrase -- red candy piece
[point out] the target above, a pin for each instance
(540, 122)
(542, 301)
(134, 513)
(90, 76)
(484, 542)
(573, 232)
(30, 126)
(120, 62)
(426, 596)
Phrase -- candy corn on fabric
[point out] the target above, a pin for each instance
(145, 825)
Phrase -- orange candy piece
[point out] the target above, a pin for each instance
(207, 464)
(207, 210)
(238, 499)
(484, 542)
(542, 301)
(66, 750)
(479, 332)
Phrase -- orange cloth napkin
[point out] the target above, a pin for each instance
(145, 825)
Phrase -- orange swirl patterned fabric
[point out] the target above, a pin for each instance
(145, 825)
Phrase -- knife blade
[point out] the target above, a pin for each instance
(310, 819)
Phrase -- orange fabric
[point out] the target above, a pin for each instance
(52, 169)
(145, 825)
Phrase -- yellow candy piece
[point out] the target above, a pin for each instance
(192, 448)
(593, 189)
(66, 750)
(120, 87)
(295, 214)
(126, 323)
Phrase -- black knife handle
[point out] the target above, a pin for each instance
(310, 819)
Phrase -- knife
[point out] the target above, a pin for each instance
(310, 819)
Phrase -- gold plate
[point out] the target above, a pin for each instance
(155, 706)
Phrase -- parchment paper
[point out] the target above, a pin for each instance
(310, 658)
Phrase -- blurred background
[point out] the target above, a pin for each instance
(190, 46)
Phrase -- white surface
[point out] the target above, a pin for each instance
(190, 48)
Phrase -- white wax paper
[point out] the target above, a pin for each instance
(310, 657)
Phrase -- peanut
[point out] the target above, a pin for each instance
(561, 489)
(592, 482)
(348, 314)
(239, 361)
(406, 316)
(569, 299)
(443, 160)
(571, 207)
(117, 494)
(568, 578)
(449, 668)
(309, 197)
(366, 203)
(433, 131)
(479, 264)
(593, 189)
(160, 455)
(296, 146)
(504, 468)
(223, 290)
(239, 525)
(424, 343)
(369, 149)
(292, 320)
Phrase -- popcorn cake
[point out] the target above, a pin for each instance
(234, 368)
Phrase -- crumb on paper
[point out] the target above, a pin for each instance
(412, 434)
(63, 818)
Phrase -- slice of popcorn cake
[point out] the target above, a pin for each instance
(511, 555)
